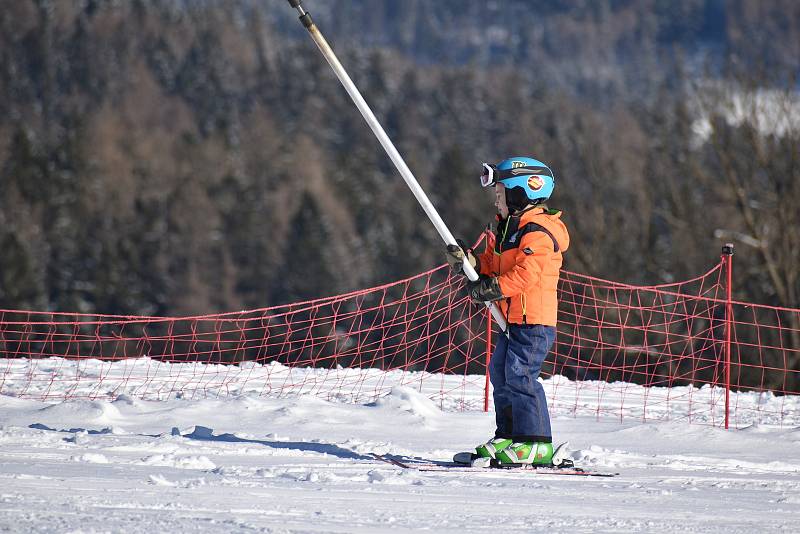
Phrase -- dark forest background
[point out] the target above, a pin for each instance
(182, 157)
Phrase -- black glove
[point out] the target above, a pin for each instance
(485, 290)
(455, 257)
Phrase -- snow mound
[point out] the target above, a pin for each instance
(179, 462)
(92, 458)
(93, 412)
(405, 399)
(159, 480)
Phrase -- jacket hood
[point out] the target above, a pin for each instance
(551, 221)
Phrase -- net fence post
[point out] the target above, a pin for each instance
(488, 359)
(727, 258)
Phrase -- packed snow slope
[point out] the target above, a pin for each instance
(301, 464)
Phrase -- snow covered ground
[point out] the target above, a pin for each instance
(301, 464)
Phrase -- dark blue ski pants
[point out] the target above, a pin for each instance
(519, 401)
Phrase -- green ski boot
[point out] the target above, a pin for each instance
(492, 447)
(531, 452)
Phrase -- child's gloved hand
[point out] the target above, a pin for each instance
(485, 290)
(455, 257)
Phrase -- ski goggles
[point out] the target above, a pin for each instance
(490, 174)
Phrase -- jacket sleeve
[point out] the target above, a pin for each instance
(534, 249)
(484, 262)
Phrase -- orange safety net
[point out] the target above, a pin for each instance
(676, 351)
(681, 350)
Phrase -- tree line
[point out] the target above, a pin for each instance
(172, 158)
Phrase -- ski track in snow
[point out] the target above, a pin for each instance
(302, 464)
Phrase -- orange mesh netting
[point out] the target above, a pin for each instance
(654, 352)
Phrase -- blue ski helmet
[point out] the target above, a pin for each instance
(530, 175)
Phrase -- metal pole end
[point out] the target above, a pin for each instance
(727, 249)
(305, 16)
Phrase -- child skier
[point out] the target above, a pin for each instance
(520, 274)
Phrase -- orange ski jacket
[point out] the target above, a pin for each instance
(525, 254)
